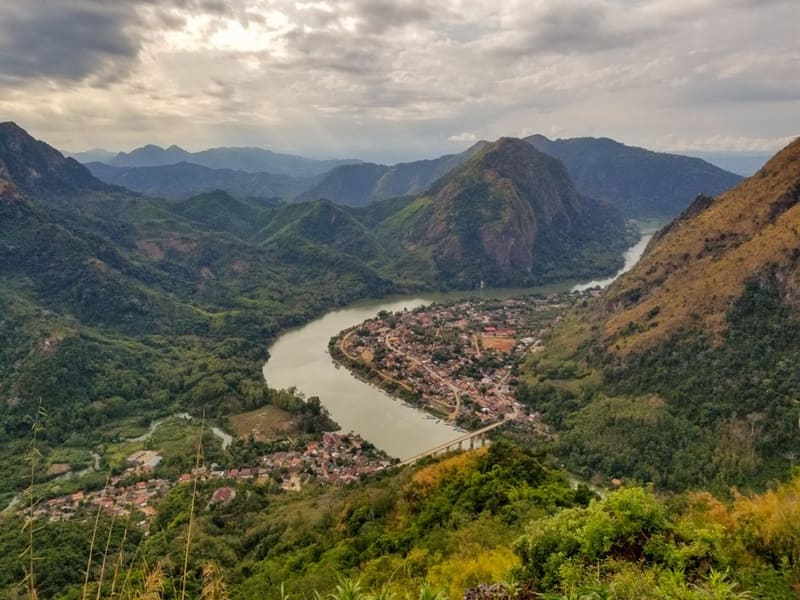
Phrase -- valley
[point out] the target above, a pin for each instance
(454, 360)
(123, 311)
(399, 300)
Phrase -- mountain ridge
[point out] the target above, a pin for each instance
(240, 158)
(702, 246)
(640, 182)
(37, 168)
(185, 179)
(360, 184)
(507, 216)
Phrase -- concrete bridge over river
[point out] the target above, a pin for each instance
(475, 438)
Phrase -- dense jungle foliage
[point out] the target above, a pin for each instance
(689, 413)
(497, 515)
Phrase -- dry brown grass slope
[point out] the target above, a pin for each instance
(699, 264)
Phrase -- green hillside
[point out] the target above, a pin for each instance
(683, 372)
(118, 309)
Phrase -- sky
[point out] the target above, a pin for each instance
(392, 80)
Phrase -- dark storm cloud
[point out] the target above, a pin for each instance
(77, 39)
(66, 40)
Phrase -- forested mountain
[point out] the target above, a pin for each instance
(130, 291)
(509, 215)
(252, 160)
(361, 184)
(39, 169)
(118, 308)
(183, 180)
(695, 347)
(111, 300)
(640, 183)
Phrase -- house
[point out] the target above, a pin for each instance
(222, 496)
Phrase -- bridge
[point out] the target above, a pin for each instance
(475, 438)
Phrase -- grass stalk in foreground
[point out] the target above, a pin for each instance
(191, 509)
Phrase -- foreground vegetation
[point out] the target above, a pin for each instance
(497, 515)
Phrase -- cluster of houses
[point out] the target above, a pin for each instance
(336, 458)
(457, 358)
(114, 499)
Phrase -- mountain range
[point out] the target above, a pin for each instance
(119, 308)
(639, 182)
(694, 345)
(250, 160)
(184, 179)
(125, 288)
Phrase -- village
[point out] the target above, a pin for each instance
(456, 361)
(333, 459)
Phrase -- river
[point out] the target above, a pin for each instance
(631, 257)
(300, 358)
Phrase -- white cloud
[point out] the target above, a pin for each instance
(464, 137)
(393, 79)
(720, 143)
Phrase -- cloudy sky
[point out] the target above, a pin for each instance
(391, 80)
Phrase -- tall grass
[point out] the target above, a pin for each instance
(29, 582)
(198, 458)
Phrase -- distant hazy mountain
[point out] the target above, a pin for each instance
(640, 182)
(360, 184)
(183, 180)
(509, 216)
(742, 163)
(93, 155)
(253, 160)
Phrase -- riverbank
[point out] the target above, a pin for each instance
(300, 359)
(456, 360)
